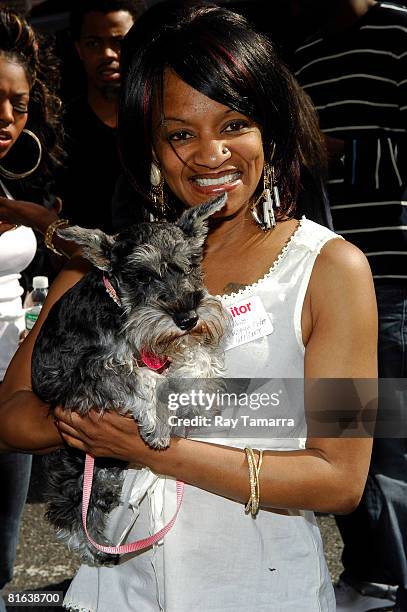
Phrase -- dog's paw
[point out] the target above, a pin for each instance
(78, 544)
(156, 438)
(97, 558)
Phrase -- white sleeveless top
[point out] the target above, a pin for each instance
(17, 249)
(217, 558)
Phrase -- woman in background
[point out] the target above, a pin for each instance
(29, 152)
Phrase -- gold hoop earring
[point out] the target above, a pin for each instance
(157, 189)
(263, 208)
(9, 174)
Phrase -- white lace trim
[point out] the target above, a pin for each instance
(277, 262)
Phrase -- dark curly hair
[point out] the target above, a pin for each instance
(19, 44)
(218, 53)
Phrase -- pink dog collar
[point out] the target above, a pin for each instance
(111, 291)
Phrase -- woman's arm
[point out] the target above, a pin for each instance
(330, 473)
(25, 423)
(37, 217)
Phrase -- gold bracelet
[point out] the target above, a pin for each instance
(252, 481)
(252, 505)
(258, 467)
(49, 234)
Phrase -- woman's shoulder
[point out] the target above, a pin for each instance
(344, 255)
(340, 269)
(332, 249)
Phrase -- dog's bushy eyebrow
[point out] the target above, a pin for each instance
(147, 256)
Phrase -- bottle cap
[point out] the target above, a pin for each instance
(40, 282)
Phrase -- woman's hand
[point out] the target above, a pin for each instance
(107, 435)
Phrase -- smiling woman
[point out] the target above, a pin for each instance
(216, 149)
(207, 107)
(268, 109)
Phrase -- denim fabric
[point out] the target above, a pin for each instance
(375, 535)
(15, 469)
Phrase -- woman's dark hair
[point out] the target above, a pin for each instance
(216, 52)
(19, 44)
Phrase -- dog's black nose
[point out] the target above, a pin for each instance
(186, 320)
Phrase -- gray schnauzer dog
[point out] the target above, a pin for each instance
(140, 316)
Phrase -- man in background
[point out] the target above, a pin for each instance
(355, 70)
(87, 186)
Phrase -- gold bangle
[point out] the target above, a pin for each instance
(252, 480)
(253, 503)
(258, 467)
(49, 234)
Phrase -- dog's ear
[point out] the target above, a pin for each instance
(96, 244)
(193, 221)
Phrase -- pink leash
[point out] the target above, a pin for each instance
(125, 548)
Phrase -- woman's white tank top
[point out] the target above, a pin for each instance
(282, 291)
(216, 558)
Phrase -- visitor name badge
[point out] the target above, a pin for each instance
(250, 321)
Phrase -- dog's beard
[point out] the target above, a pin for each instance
(154, 330)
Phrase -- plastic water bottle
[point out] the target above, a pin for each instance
(34, 301)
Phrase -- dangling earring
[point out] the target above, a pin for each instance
(157, 188)
(9, 174)
(268, 199)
